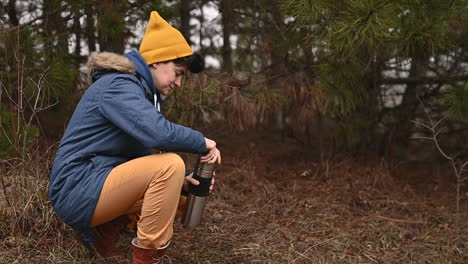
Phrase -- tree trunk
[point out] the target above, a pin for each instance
(12, 13)
(77, 31)
(184, 9)
(409, 104)
(201, 19)
(55, 29)
(227, 22)
(112, 26)
(90, 29)
(275, 30)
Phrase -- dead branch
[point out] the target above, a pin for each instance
(454, 160)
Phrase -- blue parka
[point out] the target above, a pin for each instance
(114, 122)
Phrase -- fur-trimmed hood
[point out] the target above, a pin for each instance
(130, 63)
(108, 61)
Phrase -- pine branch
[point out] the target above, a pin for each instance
(424, 80)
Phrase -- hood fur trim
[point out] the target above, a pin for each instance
(108, 61)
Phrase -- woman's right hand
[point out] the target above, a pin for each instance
(214, 155)
(210, 144)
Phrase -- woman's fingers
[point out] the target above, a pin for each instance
(212, 156)
(212, 182)
(192, 180)
(219, 156)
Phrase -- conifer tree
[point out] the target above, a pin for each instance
(377, 57)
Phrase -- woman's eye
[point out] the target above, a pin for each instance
(179, 72)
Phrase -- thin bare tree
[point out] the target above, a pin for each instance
(458, 165)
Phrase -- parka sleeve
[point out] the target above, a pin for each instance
(124, 104)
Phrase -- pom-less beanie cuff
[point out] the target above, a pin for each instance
(162, 42)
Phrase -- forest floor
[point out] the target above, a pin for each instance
(274, 202)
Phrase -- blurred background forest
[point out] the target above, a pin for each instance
(355, 79)
(347, 76)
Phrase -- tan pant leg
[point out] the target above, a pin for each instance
(152, 183)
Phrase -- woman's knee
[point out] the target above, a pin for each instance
(171, 168)
(175, 172)
(175, 162)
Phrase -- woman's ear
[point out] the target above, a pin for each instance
(154, 65)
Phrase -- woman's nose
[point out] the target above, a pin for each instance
(178, 82)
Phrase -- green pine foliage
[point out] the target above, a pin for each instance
(346, 26)
(195, 102)
(457, 101)
(59, 78)
(355, 40)
(111, 26)
(34, 79)
(6, 137)
(32, 67)
(16, 136)
(345, 82)
(267, 100)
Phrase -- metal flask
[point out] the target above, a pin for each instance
(198, 195)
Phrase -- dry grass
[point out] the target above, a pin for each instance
(271, 205)
(288, 213)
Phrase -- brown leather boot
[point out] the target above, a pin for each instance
(148, 255)
(105, 235)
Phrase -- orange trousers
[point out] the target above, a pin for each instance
(149, 187)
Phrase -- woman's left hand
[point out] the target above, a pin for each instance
(190, 180)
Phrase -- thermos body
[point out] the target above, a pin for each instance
(198, 195)
(194, 211)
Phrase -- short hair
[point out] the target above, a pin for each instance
(194, 62)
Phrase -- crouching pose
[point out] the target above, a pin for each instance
(104, 170)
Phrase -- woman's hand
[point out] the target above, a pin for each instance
(214, 155)
(210, 144)
(190, 180)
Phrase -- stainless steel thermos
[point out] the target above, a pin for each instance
(198, 194)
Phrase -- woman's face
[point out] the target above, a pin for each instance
(167, 76)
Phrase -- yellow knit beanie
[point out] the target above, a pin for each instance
(162, 42)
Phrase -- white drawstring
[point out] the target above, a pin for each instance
(156, 103)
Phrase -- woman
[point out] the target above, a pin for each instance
(103, 170)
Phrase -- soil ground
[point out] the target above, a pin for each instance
(276, 202)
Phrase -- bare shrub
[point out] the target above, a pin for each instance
(459, 166)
